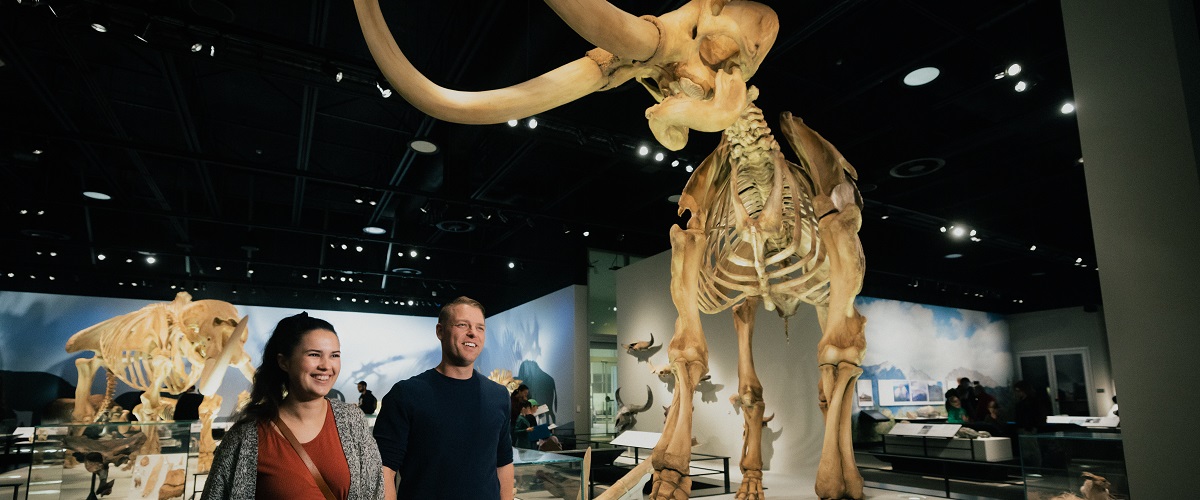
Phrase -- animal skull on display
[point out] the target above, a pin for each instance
(695, 61)
(640, 345)
(627, 415)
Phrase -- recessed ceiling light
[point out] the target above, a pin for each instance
(374, 230)
(38, 151)
(151, 260)
(217, 268)
(531, 123)
(643, 150)
(675, 163)
(96, 195)
(659, 156)
(410, 302)
(921, 76)
(412, 253)
(423, 146)
(953, 255)
(512, 265)
(587, 233)
(101, 256)
(1067, 108)
(358, 248)
(1032, 247)
(197, 47)
(1013, 70)
(512, 123)
(688, 168)
(1021, 86)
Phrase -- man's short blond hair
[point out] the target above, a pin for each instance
(444, 315)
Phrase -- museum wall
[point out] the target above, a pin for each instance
(907, 343)
(536, 340)
(1066, 329)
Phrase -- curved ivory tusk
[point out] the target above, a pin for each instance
(547, 91)
(604, 25)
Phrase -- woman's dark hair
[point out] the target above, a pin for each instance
(269, 379)
(951, 394)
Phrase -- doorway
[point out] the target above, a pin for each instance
(1065, 375)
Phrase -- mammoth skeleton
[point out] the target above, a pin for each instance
(762, 229)
(164, 347)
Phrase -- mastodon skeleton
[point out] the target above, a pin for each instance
(762, 229)
(165, 347)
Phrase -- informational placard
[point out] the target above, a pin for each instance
(637, 439)
(866, 394)
(927, 430)
(1085, 421)
(911, 392)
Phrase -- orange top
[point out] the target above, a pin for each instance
(281, 473)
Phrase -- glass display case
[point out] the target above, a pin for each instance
(1062, 462)
(114, 460)
(541, 475)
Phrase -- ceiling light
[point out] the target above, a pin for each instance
(151, 260)
(943, 229)
(513, 123)
(512, 265)
(423, 146)
(921, 76)
(217, 268)
(587, 233)
(372, 203)
(643, 150)
(37, 151)
(128, 261)
(953, 255)
(344, 246)
(338, 298)
(197, 47)
(96, 195)
(1013, 70)
(975, 239)
(358, 200)
(958, 232)
(1079, 260)
(1021, 86)
(884, 216)
(358, 248)
(531, 123)
(1032, 247)
(675, 163)
(688, 168)
(333, 71)
(1067, 108)
(305, 276)
(374, 230)
(973, 232)
(99, 19)
(249, 271)
(383, 89)
(412, 253)
(353, 299)
(54, 254)
(999, 76)
(410, 302)
(212, 50)
(659, 156)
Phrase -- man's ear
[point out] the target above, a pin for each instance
(438, 330)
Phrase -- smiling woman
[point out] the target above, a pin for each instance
(288, 427)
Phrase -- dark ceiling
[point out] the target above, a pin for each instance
(248, 173)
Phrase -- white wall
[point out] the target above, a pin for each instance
(1063, 329)
(788, 370)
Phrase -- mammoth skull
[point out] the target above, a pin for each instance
(695, 62)
(627, 415)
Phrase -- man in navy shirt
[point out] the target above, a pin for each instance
(446, 431)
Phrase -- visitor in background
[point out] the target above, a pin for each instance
(366, 400)
(983, 400)
(517, 401)
(966, 395)
(955, 414)
(524, 426)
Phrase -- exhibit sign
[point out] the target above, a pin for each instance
(927, 430)
(866, 394)
(911, 392)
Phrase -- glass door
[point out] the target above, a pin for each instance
(1064, 374)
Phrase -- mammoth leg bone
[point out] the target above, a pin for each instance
(688, 354)
(208, 413)
(751, 400)
(87, 372)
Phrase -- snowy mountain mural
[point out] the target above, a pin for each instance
(933, 344)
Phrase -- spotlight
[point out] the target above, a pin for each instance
(531, 123)
(1067, 108)
(1032, 247)
(1013, 70)
(675, 163)
(374, 230)
(643, 150)
(384, 89)
(343, 246)
(410, 302)
(96, 195)
(358, 248)
(197, 47)
(333, 71)
(688, 169)
(1021, 86)
(101, 256)
(412, 253)
(513, 123)
(151, 259)
(218, 268)
(587, 233)
(99, 20)
(512, 265)
(958, 232)
(659, 156)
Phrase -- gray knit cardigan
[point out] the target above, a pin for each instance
(235, 466)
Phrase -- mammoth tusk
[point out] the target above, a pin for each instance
(604, 25)
(547, 91)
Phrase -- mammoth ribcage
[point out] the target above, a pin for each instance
(785, 266)
(133, 366)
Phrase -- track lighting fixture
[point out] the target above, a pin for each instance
(333, 71)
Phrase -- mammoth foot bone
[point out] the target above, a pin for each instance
(751, 488)
(670, 485)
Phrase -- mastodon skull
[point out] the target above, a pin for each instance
(694, 60)
(627, 415)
